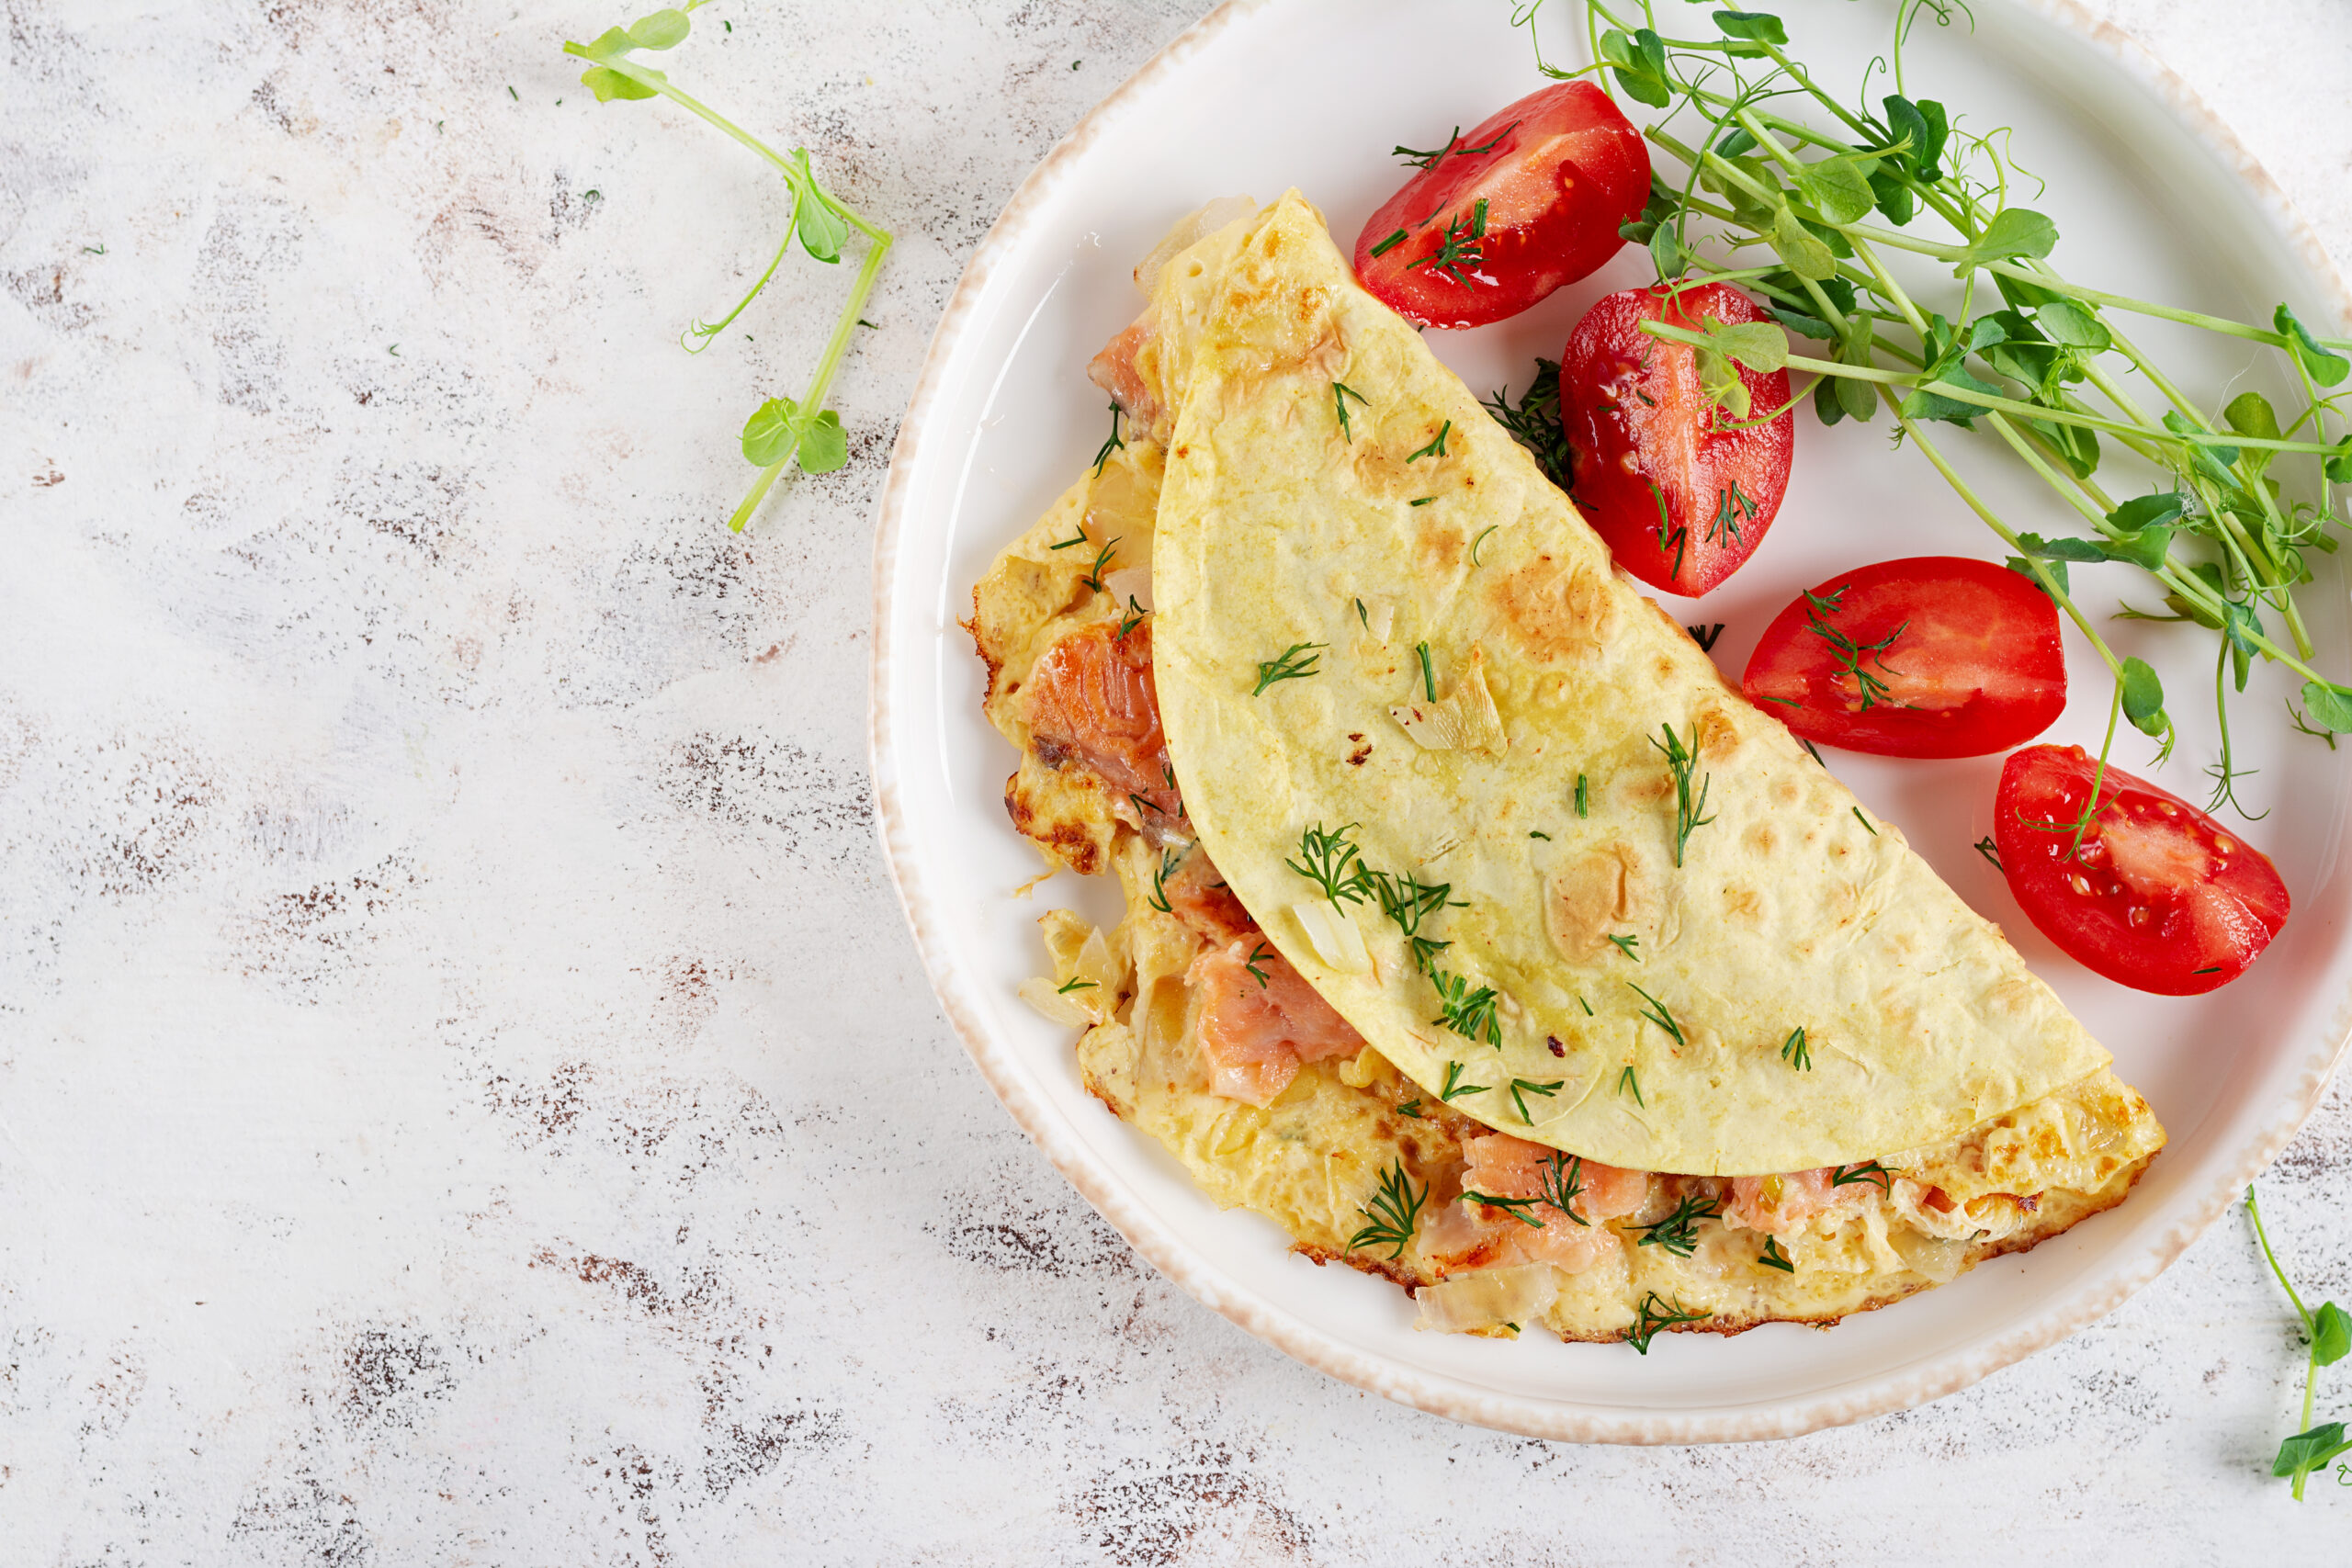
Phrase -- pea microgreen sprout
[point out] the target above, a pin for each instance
(1294, 663)
(780, 430)
(1389, 1217)
(1770, 180)
(2328, 1332)
(1655, 1314)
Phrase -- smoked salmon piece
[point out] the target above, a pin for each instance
(1090, 698)
(1260, 1020)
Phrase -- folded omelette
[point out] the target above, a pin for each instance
(1476, 931)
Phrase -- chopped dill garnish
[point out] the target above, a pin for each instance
(1656, 1013)
(1545, 837)
(1259, 952)
(1429, 682)
(1677, 1232)
(1705, 636)
(1114, 444)
(1682, 759)
(1341, 393)
(1389, 243)
(1865, 822)
(1868, 686)
(1773, 1258)
(1364, 616)
(1561, 1181)
(1654, 1314)
(1332, 862)
(1412, 1108)
(1521, 1087)
(1389, 1217)
(1584, 801)
(1408, 901)
(1436, 448)
(1158, 899)
(1795, 1052)
(1103, 557)
(1469, 1012)
(1455, 1087)
(1074, 984)
(1480, 540)
(1870, 1171)
(1424, 501)
(1628, 1083)
(1292, 663)
(1627, 945)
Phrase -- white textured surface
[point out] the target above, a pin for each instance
(443, 952)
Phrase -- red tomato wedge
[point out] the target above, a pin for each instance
(2159, 896)
(1682, 501)
(1935, 656)
(1530, 199)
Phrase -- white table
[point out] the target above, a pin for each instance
(445, 964)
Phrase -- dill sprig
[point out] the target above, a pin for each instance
(1459, 248)
(1561, 1181)
(1773, 1258)
(1341, 393)
(1408, 901)
(1870, 1173)
(1868, 686)
(1795, 1052)
(1534, 422)
(1437, 442)
(1656, 1013)
(1420, 160)
(1681, 759)
(1626, 1082)
(1521, 1087)
(1655, 1313)
(1677, 1233)
(1258, 954)
(1158, 899)
(1628, 944)
(1112, 445)
(1103, 558)
(1468, 1011)
(1990, 850)
(1390, 1215)
(1292, 663)
(1454, 1089)
(1332, 862)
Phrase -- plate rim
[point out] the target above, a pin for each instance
(1195, 1272)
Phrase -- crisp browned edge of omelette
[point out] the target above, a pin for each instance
(1031, 598)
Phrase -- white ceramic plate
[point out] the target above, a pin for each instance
(2153, 199)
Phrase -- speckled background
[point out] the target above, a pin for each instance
(444, 952)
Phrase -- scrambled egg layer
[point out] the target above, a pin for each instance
(1313, 1160)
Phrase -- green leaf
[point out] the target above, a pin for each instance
(2143, 698)
(2239, 629)
(2145, 548)
(1755, 212)
(2339, 464)
(2023, 295)
(1894, 198)
(608, 84)
(2064, 548)
(1924, 403)
(1804, 256)
(1858, 398)
(1827, 407)
(1804, 325)
(1721, 383)
(1837, 187)
(768, 434)
(2211, 463)
(1667, 255)
(1757, 27)
(822, 230)
(2322, 365)
(2250, 413)
(1639, 63)
(1759, 345)
(2014, 231)
(2307, 1452)
(2072, 322)
(2146, 511)
(2056, 569)
(2328, 706)
(824, 447)
(610, 44)
(1735, 142)
(2331, 1334)
(662, 30)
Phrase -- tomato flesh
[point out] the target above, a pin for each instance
(1682, 500)
(1558, 171)
(2159, 895)
(1933, 655)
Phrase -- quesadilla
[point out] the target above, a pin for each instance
(1394, 778)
